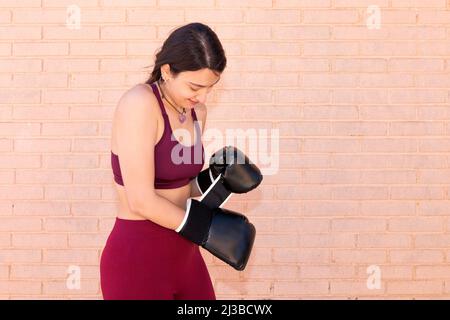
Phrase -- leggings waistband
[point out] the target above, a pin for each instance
(142, 226)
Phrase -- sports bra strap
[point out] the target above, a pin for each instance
(156, 92)
(193, 114)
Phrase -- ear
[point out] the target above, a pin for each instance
(165, 69)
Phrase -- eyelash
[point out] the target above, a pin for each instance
(195, 90)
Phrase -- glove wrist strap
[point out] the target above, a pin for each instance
(204, 180)
(196, 223)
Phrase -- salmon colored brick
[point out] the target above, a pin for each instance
(259, 15)
(418, 3)
(330, 16)
(418, 287)
(420, 224)
(65, 3)
(387, 272)
(295, 288)
(50, 16)
(360, 3)
(416, 256)
(59, 287)
(10, 287)
(5, 240)
(229, 287)
(353, 288)
(70, 256)
(25, 3)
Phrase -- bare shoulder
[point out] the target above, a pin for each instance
(138, 100)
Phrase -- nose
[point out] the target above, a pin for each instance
(200, 98)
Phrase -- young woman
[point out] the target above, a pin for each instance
(144, 257)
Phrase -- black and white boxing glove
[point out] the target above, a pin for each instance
(226, 234)
(239, 174)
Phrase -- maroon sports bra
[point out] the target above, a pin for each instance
(175, 163)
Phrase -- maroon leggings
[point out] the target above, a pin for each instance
(143, 260)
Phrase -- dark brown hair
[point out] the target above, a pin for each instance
(190, 48)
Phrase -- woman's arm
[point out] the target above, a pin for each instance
(136, 123)
(195, 192)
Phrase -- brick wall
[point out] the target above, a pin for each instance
(361, 194)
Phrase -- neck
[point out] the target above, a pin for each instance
(166, 95)
(170, 102)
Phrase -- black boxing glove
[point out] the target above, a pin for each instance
(239, 175)
(226, 234)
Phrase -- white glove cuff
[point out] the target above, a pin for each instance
(188, 208)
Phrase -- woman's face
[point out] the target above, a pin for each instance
(190, 88)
